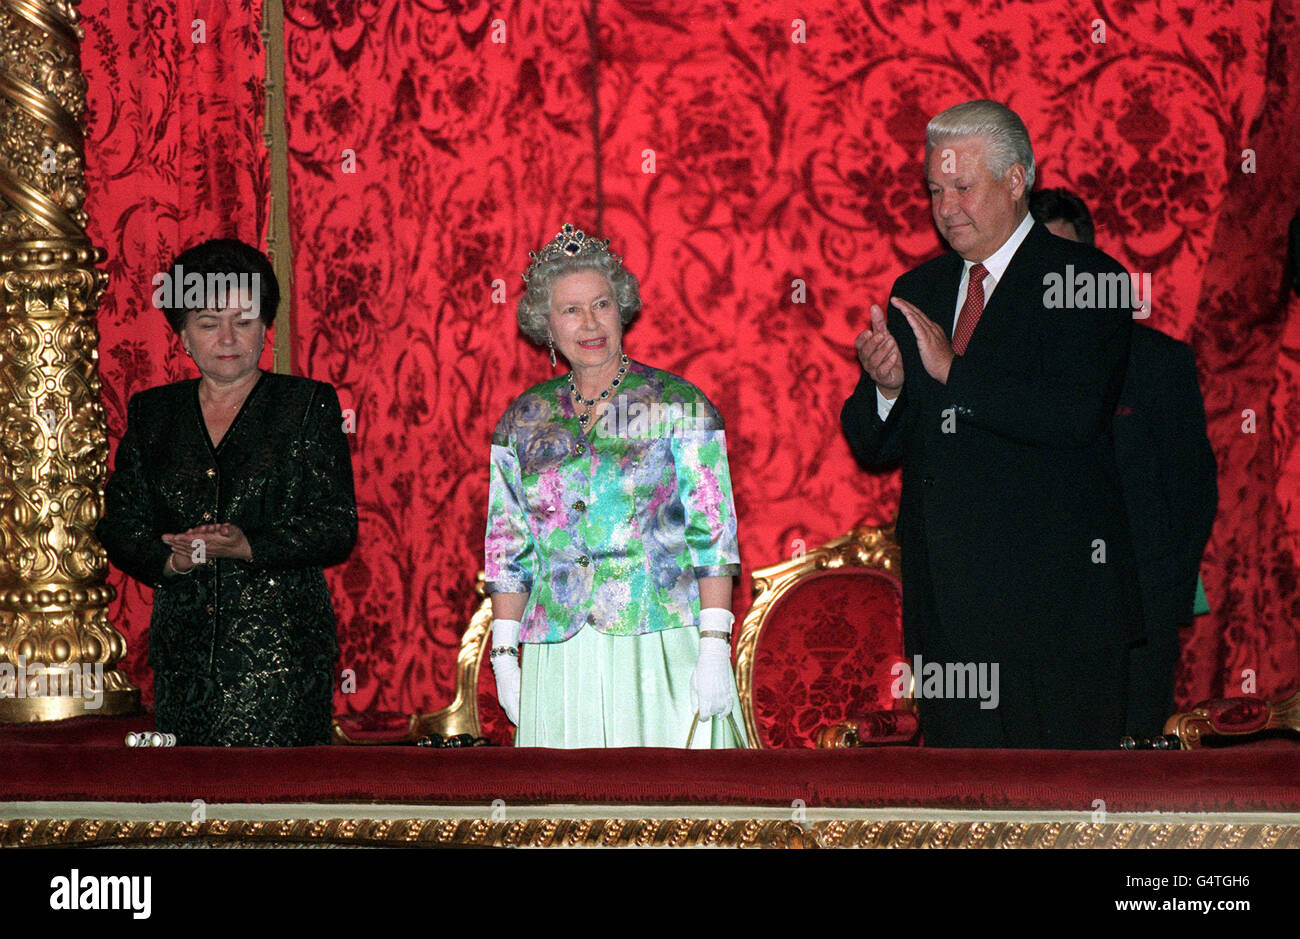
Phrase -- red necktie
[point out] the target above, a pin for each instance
(970, 310)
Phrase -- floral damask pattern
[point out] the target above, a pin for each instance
(174, 155)
(468, 152)
(766, 191)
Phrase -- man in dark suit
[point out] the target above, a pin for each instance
(994, 381)
(1168, 473)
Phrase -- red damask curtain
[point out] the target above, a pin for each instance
(174, 155)
(757, 165)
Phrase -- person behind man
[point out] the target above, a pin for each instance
(998, 401)
(1063, 213)
(1167, 471)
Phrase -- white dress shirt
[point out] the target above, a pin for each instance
(996, 265)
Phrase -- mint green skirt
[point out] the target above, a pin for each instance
(595, 690)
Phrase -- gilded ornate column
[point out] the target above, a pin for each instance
(58, 650)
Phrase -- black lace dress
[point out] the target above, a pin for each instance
(243, 652)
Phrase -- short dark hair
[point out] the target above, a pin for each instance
(1051, 205)
(222, 256)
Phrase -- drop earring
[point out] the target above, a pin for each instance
(551, 345)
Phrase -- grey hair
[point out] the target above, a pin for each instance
(535, 305)
(998, 124)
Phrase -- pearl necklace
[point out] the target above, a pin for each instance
(579, 399)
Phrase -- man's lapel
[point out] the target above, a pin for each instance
(1018, 280)
(944, 304)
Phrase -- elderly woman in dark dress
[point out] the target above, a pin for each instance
(231, 493)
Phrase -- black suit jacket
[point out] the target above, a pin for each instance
(1168, 473)
(1015, 546)
(243, 651)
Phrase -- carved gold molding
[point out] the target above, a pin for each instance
(649, 832)
(55, 635)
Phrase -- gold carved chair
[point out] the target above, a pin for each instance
(473, 710)
(816, 653)
(1226, 720)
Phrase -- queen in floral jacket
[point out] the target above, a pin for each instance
(611, 531)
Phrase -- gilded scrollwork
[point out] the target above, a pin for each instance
(53, 457)
(653, 832)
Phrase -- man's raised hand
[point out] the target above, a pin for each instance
(931, 341)
(879, 355)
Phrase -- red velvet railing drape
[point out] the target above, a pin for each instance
(758, 168)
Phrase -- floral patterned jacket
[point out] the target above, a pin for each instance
(610, 528)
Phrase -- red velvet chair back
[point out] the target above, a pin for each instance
(820, 642)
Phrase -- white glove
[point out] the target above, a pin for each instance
(712, 680)
(505, 668)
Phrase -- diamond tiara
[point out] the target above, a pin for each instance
(569, 243)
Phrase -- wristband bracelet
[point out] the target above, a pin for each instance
(172, 567)
(505, 650)
(715, 634)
